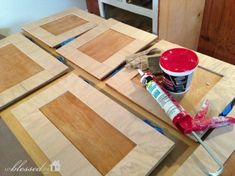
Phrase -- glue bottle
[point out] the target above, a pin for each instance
(180, 118)
(178, 115)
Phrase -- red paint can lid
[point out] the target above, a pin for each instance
(179, 60)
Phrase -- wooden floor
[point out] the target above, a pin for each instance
(12, 152)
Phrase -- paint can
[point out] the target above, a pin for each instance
(178, 65)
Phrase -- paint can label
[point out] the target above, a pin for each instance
(178, 65)
(177, 84)
(163, 100)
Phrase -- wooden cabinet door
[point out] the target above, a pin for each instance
(102, 49)
(93, 7)
(180, 21)
(89, 134)
(217, 37)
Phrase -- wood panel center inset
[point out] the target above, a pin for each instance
(15, 67)
(203, 81)
(105, 45)
(102, 144)
(63, 24)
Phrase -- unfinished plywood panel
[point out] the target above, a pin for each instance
(180, 21)
(83, 130)
(206, 81)
(196, 93)
(63, 26)
(24, 67)
(134, 147)
(105, 45)
(203, 81)
(104, 48)
(15, 65)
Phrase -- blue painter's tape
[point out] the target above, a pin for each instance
(228, 108)
(157, 128)
(65, 42)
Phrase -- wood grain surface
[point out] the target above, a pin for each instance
(24, 67)
(203, 81)
(96, 139)
(63, 24)
(180, 21)
(15, 67)
(198, 89)
(127, 82)
(217, 32)
(93, 7)
(58, 28)
(229, 166)
(151, 147)
(105, 45)
(104, 48)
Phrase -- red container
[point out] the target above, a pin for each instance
(178, 65)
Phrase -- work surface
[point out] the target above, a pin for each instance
(184, 146)
(51, 124)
